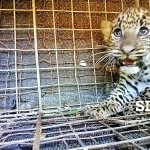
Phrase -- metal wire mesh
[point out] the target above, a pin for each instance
(60, 131)
(42, 43)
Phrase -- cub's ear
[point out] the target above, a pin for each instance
(106, 28)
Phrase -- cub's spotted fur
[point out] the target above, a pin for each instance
(130, 41)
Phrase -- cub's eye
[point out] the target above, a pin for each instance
(143, 31)
(117, 32)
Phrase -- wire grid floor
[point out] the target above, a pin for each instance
(41, 46)
(59, 131)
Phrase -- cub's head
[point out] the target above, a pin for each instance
(130, 39)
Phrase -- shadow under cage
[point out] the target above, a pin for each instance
(50, 67)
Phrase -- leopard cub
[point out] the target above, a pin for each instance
(130, 44)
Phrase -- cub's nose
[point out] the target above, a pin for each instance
(129, 41)
(127, 48)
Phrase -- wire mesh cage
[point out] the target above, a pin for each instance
(42, 45)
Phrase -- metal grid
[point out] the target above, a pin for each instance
(42, 43)
(57, 131)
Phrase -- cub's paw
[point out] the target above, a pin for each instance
(96, 111)
(102, 110)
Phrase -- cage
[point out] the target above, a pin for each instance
(49, 69)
